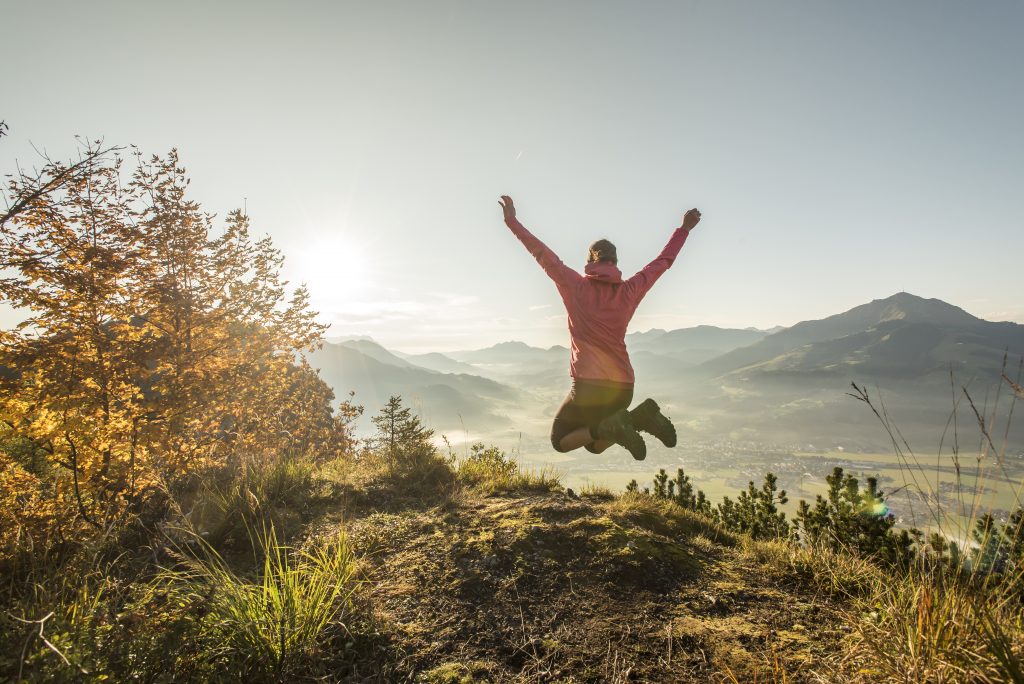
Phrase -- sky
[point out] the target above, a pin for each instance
(839, 152)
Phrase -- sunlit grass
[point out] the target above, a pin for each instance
(282, 614)
(489, 471)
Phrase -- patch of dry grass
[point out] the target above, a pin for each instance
(665, 517)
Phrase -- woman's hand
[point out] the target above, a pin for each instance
(690, 219)
(507, 207)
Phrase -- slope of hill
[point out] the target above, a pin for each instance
(375, 351)
(793, 384)
(436, 361)
(446, 400)
(900, 337)
(693, 345)
(511, 352)
(518, 363)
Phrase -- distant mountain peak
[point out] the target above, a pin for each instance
(336, 339)
(904, 306)
(511, 344)
(357, 342)
(902, 334)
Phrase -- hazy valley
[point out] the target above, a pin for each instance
(744, 401)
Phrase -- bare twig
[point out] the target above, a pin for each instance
(59, 176)
(42, 624)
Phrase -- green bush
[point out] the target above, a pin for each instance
(679, 490)
(402, 443)
(400, 461)
(491, 471)
(756, 511)
(855, 519)
(251, 496)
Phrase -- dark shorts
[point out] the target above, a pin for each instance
(589, 402)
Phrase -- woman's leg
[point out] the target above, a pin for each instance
(569, 430)
(576, 439)
(581, 437)
(585, 407)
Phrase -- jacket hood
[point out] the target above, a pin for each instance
(604, 271)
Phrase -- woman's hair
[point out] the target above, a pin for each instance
(602, 250)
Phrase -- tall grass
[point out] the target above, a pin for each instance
(956, 614)
(107, 613)
(920, 626)
(265, 624)
(54, 644)
(248, 496)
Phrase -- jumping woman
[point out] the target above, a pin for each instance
(600, 305)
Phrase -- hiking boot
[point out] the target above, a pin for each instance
(648, 417)
(618, 428)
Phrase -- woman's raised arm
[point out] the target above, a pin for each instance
(548, 260)
(645, 278)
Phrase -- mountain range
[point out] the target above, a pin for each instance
(787, 384)
(902, 336)
(445, 400)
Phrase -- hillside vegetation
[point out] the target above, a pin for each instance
(400, 563)
(182, 499)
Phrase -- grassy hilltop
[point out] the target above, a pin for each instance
(478, 573)
(544, 586)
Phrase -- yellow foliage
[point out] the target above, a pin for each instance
(159, 346)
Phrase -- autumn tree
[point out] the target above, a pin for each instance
(154, 348)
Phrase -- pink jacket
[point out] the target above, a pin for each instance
(600, 305)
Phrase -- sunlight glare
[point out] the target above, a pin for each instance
(334, 263)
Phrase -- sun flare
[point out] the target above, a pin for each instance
(333, 263)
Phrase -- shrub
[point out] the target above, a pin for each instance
(756, 511)
(250, 496)
(855, 519)
(491, 471)
(679, 490)
(401, 458)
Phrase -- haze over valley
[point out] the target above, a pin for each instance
(744, 401)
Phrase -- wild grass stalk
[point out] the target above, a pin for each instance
(596, 492)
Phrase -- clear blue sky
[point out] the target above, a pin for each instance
(839, 152)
